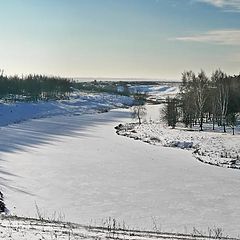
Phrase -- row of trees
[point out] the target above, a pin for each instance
(111, 87)
(203, 99)
(36, 87)
(33, 87)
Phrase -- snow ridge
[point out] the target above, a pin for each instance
(213, 148)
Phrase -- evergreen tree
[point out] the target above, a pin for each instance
(170, 112)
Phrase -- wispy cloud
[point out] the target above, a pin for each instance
(220, 37)
(232, 5)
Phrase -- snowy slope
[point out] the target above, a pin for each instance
(154, 89)
(79, 103)
(156, 92)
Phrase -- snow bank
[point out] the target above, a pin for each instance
(209, 147)
(15, 228)
(78, 104)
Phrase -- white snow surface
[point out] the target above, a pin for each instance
(15, 228)
(221, 149)
(154, 89)
(156, 92)
(76, 166)
(79, 103)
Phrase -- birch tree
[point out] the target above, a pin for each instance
(139, 110)
(221, 82)
(201, 85)
(187, 96)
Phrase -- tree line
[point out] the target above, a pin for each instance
(111, 87)
(203, 99)
(33, 87)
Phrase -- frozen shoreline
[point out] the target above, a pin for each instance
(214, 148)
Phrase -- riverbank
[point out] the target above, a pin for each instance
(16, 228)
(210, 147)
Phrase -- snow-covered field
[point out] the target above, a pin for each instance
(156, 92)
(79, 103)
(74, 167)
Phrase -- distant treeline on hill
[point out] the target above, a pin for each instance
(103, 86)
(36, 87)
(33, 88)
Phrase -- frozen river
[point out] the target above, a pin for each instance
(78, 167)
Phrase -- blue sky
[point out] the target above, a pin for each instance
(119, 38)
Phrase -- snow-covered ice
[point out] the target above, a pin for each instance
(78, 167)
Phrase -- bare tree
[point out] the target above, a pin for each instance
(221, 82)
(139, 110)
(200, 86)
(232, 119)
(1, 72)
(187, 96)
